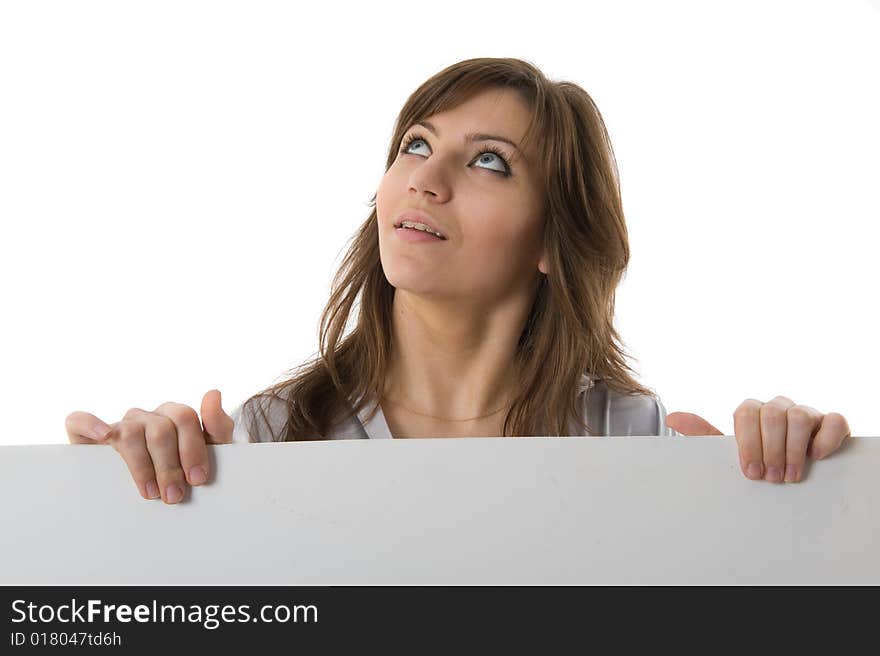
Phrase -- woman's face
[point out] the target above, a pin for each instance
(492, 221)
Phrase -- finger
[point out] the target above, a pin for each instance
(218, 425)
(747, 428)
(127, 438)
(803, 422)
(85, 428)
(161, 438)
(774, 428)
(833, 430)
(191, 449)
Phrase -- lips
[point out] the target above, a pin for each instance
(419, 217)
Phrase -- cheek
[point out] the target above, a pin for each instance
(501, 238)
(381, 197)
(491, 254)
(387, 195)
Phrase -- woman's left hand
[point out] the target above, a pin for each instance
(774, 438)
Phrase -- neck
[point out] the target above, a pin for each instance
(454, 362)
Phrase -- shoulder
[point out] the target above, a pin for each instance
(261, 418)
(264, 418)
(608, 412)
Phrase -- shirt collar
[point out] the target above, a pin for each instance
(376, 427)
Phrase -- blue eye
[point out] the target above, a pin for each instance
(486, 150)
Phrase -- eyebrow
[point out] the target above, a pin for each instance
(476, 136)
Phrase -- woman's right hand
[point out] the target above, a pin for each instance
(164, 449)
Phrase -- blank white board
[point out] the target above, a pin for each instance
(539, 510)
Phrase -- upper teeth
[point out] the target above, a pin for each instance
(419, 226)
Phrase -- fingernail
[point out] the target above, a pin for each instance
(100, 430)
(173, 493)
(791, 473)
(753, 471)
(774, 474)
(197, 475)
(152, 489)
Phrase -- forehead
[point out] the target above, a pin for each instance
(497, 109)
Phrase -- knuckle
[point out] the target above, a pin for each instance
(838, 423)
(748, 408)
(751, 451)
(129, 432)
(799, 415)
(181, 414)
(170, 473)
(772, 414)
(142, 471)
(193, 455)
(133, 413)
(70, 420)
(749, 445)
(162, 434)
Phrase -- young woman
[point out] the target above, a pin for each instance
(485, 279)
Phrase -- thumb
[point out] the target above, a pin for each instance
(690, 424)
(218, 425)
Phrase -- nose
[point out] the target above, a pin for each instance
(438, 196)
(427, 179)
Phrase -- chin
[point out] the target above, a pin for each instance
(411, 281)
(404, 272)
(409, 284)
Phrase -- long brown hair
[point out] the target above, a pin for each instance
(569, 331)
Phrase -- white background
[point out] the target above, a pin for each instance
(178, 182)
